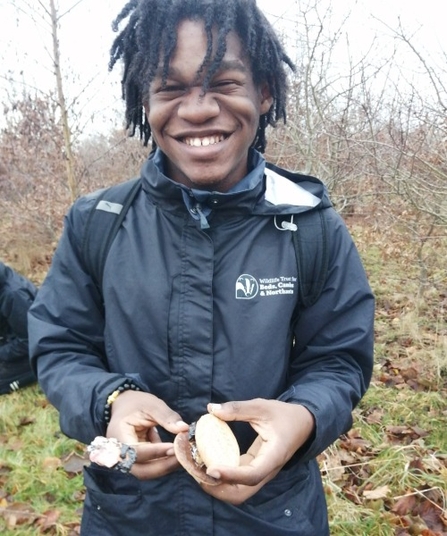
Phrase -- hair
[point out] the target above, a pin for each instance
(149, 39)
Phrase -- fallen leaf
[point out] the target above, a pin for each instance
(404, 505)
(355, 445)
(48, 519)
(409, 373)
(377, 493)
(51, 463)
(331, 465)
(74, 463)
(18, 514)
(375, 417)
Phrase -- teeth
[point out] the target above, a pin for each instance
(204, 142)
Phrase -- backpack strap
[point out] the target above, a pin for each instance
(310, 242)
(103, 222)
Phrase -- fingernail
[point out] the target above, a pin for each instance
(181, 423)
(214, 474)
(214, 407)
(170, 452)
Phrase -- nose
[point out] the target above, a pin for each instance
(198, 107)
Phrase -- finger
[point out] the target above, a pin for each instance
(153, 436)
(256, 465)
(246, 475)
(155, 468)
(145, 418)
(175, 425)
(136, 428)
(143, 410)
(147, 452)
(156, 411)
(246, 410)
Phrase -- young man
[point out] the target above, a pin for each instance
(198, 306)
(16, 296)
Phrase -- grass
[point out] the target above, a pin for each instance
(32, 475)
(386, 477)
(399, 464)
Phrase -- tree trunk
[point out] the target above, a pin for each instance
(71, 177)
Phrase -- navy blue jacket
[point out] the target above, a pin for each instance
(194, 315)
(16, 295)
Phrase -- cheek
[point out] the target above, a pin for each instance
(153, 117)
(158, 113)
(157, 124)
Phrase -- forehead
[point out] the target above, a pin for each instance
(192, 46)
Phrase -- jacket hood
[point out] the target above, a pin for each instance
(270, 191)
(289, 192)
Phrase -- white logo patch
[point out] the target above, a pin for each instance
(246, 287)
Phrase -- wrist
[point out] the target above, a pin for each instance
(127, 385)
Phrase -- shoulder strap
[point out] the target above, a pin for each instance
(311, 249)
(103, 222)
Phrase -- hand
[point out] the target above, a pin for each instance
(282, 429)
(135, 416)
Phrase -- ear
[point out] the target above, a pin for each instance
(266, 98)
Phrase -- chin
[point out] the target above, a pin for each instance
(220, 182)
(210, 184)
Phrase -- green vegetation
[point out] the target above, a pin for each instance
(40, 482)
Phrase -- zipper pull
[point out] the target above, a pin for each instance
(203, 221)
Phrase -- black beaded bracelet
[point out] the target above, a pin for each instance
(128, 385)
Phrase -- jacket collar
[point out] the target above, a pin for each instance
(174, 196)
(267, 189)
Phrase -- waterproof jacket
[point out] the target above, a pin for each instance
(16, 296)
(201, 311)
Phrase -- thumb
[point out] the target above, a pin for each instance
(254, 410)
(229, 411)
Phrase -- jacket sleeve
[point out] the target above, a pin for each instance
(66, 325)
(332, 358)
(17, 296)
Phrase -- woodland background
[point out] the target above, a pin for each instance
(375, 132)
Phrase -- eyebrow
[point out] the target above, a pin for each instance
(225, 65)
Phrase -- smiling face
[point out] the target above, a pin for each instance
(206, 137)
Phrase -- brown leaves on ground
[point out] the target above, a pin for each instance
(404, 434)
(396, 375)
(349, 466)
(18, 514)
(22, 514)
(421, 512)
(73, 464)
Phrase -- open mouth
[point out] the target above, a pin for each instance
(204, 141)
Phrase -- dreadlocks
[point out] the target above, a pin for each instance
(150, 37)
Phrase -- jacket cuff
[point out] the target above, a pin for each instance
(312, 448)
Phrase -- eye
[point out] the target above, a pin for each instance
(169, 89)
(225, 85)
